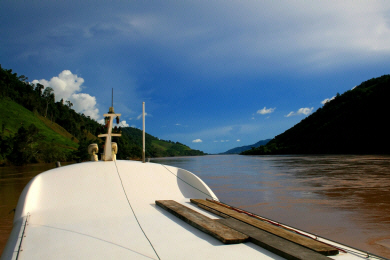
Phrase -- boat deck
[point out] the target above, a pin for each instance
(107, 210)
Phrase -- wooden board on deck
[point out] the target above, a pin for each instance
(273, 243)
(203, 223)
(278, 231)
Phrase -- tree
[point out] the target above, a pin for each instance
(82, 152)
(5, 146)
(38, 89)
(48, 95)
(26, 148)
(69, 104)
(50, 153)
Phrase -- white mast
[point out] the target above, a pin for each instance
(108, 153)
(143, 132)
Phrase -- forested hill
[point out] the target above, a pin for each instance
(240, 149)
(130, 145)
(355, 122)
(35, 128)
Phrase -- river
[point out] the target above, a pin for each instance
(341, 197)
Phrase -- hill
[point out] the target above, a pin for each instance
(46, 142)
(240, 149)
(15, 115)
(130, 146)
(352, 123)
(35, 128)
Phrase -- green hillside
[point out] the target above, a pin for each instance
(166, 148)
(15, 116)
(352, 123)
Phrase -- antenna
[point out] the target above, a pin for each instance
(111, 109)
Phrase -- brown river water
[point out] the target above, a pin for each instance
(345, 198)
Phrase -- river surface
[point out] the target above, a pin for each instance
(342, 197)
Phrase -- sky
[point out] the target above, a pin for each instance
(214, 75)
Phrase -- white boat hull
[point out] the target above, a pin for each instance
(107, 210)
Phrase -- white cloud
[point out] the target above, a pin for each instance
(181, 125)
(66, 86)
(327, 100)
(123, 123)
(305, 111)
(86, 104)
(265, 111)
(302, 111)
(197, 141)
(140, 116)
(290, 114)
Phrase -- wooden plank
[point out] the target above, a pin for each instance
(203, 223)
(286, 234)
(273, 243)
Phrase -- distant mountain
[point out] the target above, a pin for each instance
(240, 149)
(355, 122)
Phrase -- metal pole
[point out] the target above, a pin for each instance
(143, 132)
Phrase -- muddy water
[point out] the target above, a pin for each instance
(344, 198)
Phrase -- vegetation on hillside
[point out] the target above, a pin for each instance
(130, 144)
(352, 123)
(46, 144)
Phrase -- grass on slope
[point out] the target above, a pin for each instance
(166, 145)
(14, 116)
(161, 145)
(57, 128)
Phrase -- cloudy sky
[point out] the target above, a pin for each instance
(214, 74)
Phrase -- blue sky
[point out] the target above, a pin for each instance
(214, 74)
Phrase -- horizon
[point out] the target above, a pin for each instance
(213, 75)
